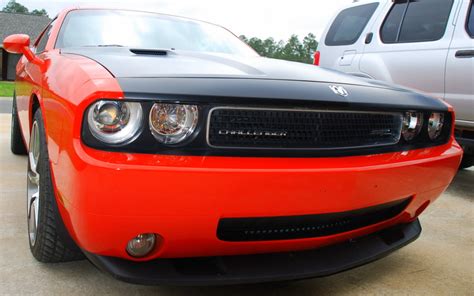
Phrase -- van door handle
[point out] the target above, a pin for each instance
(368, 38)
(465, 53)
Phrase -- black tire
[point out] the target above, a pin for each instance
(17, 145)
(467, 161)
(53, 243)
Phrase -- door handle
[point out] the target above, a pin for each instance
(465, 53)
(368, 38)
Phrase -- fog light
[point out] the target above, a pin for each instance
(141, 245)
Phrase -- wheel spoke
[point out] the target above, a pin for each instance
(32, 201)
(34, 152)
(33, 184)
(33, 178)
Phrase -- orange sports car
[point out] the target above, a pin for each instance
(166, 151)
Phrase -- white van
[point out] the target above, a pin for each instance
(422, 44)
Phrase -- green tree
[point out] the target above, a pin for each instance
(310, 46)
(292, 50)
(15, 7)
(41, 12)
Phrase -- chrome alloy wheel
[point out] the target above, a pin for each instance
(33, 184)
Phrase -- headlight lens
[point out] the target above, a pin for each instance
(173, 123)
(115, 122)
(412, 124)
(435, 125)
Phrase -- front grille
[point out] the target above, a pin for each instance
(259, 128)
(308, 226)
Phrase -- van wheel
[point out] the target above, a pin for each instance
(49, 240)
(17, 145)
(467, 161)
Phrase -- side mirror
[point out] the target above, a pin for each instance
(20, 44)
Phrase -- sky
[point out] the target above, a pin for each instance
(254, 18)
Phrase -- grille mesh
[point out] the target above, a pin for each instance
(301, 129)
(296, 227)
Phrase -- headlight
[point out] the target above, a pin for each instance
(173, 123)
(115, 122)
(412, 124)
(435, 125)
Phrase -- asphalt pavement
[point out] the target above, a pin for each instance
(5, 105)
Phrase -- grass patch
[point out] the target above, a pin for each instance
(6, 89)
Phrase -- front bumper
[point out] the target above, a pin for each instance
(261, 268)
(107, 198)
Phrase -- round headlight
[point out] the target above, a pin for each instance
(435, 125)
(412, 124)
(115, 122)
(173, 123)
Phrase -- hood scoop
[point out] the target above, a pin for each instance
(153, 52)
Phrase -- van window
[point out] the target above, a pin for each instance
(391, 26)
(470, 21)
(416, 21)
(349, 24)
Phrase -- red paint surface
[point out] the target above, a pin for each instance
(107, 198)
(317, 58)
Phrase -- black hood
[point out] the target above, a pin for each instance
(123, 62)
(148, 73)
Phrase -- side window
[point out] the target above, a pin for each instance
(391, 26)
(41, 44)
(470, 21)
(349, 24)
(416, 21)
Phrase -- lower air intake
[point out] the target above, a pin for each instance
(308, 226)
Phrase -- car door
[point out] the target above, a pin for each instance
(342, 45)
(411, 45)
(460, 67)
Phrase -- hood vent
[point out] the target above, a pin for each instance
(156, 52)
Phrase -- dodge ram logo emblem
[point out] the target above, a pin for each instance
(339, 90)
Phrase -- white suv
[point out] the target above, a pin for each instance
(427, 45)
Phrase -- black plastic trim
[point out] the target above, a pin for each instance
(464, 54)
(246, 269)
(307, 226)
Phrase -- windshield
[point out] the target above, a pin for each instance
(146, 30)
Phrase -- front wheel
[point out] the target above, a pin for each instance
(49, 240)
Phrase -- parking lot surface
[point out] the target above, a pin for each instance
(440, 262)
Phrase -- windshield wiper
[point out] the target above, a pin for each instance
(105, 45)
(110, 45)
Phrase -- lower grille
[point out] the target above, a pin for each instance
(260, 128)
(308, 226)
